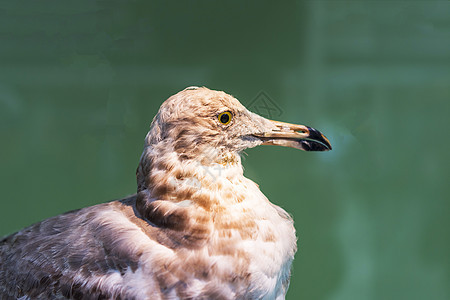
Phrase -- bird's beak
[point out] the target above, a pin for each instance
(295, 136)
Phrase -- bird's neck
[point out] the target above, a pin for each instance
(204, 179)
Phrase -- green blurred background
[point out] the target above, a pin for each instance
(80, 82)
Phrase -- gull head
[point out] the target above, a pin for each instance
(203, 124)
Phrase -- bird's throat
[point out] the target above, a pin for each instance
(205, 181)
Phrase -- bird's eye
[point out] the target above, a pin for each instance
(225, 117)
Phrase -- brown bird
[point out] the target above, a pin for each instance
(196, 229)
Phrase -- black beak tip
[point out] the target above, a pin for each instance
(317, 141)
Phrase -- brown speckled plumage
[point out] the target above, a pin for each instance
(196, 229)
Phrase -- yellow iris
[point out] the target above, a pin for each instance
(225, 117)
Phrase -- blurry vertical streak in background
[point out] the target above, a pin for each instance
(81, 81)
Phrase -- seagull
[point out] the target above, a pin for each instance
(195, 229)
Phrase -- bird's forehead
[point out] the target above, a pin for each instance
(201, 100)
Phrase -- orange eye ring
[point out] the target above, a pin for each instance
(225, 117)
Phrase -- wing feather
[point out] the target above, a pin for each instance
(67, 256)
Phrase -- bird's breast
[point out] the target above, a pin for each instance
(220, 234)
(241, 240)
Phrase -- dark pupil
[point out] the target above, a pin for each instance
(224, 118)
